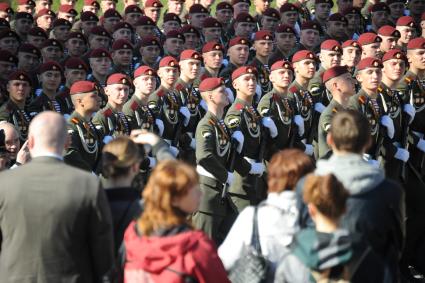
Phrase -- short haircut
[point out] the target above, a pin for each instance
(350, 131)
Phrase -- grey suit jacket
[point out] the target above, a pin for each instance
(56, 224)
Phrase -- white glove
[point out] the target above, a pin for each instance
(230, 178)
(410, 110)
(174, 150)
(152, 162)
(203, 105)
(388, 123)
(193, 143)
(230, 95)
(269, 123)
(257, 168)
(237, 135)
(299, 121)
(185, 112)
(160, 126)
(107, 139)
(402, 154)
(319, 107)
(308, 149)
(421, 145)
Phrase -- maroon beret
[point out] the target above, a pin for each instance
(20, 75)
(145, 21)
(76, 63)
(29, 48)
(144, 71)
(416, 43)
(46, 12)
(149, 41)
(190, 54)
(26, 2)
(118, 78)
(369, 62)
(24, 15)
(37, 31)
(337, 17)
(406, 21)
(175, 34)
(389, 2)
(169, 61)
(82, 87)
(77, 35)
(133, 9)
(368, 38)
(282, 64)
(288, 7)
(351, 11)
(122, 44)
(282, 28)
(51, 42)
(330, 2)
(212, 46)
(171, 17)
(5, 7)
(9, 33)
(238, 41)
(224, 6)
(210, 84)
(4, 23)
(244, 70)
(394, 54)
(92, 3)
(303, 55)
(111, 13)
(88, 16)
(244, 18)
(311, 25)
(388, 31)
(351, 43)
(331, 45)
(49, 66)
(153, 3)
(234, 2)
(189, 29)
(6, 56)
(334, 72)
(211, 22)
(198, 8)
(263, 35)
(68, 9)
(272, 13)
(62, 22)
(100, 53)
(379, 7)
(100, 31)
(123, 25)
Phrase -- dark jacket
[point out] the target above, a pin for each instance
(56, 224)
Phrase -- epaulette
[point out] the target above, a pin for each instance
(160, 93)
(179, 87)
(239, 106)
(293, 89)
(380, 89)
(108, 112)
(362, 99)
(276, 97)
(75, 120)
(408, 80)
(334, 110)
(134, 105)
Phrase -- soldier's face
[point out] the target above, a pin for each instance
(18, 90)
(61, 33)
(213, 59)
(370, 78)
(175, 7)
(45, 22)
(261, 5)
(97, 41)
(174, 46)
(380, 18)
(224, 16)
(67, 16)
(240, 7)
(323, 10)
(42, 4)
(171, 25)
(397, 10)
(192, 41)
(10, 44)
(281, 78)
(416, 58)
(330, 59)
(285, 41)
(394, 69)
(25, 8)
(90, 8)
(23, 25)
(371, 50)
(76, 47)
(132, 18)
(145, 84)
(122, 57)
(268, 23)
(91, 101)
(219, 96)
(289, 18)
(117, 93)
(109, 23)
(246, 84)
(51, 80)
(244, 29)
(353, 21)
(6, 68)
(28, 61)
(238, 54)
(122, 33)
(190, 68)
(337, 29)
(87, 26)
(144, 31)
(168, 75)
(74, 75)
(406, 34)
(100, 66)
(150, 53)
(416, 7)
(107, 4)
(388, 42)
(51, 53)
(305, 68)
(37, 41)
(197, 19)
(211, 34)
(263, 47)
(309, 38)
(344, 4)
(350, 56)
(153, 13)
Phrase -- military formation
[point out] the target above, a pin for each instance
(225, 88)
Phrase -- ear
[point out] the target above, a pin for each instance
(330, 140)
(234, 84)
(312, 210)
(358, 78)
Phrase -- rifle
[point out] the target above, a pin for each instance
(261, 153)
(404, 136)
(232, 158)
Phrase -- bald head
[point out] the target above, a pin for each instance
(47, 134)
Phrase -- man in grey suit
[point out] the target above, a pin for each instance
(55, 219)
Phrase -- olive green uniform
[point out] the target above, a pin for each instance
(317, 88)
(111, 122)
(138, 115)
(44, 103)
(324, 127)
(263, 75)
(20, 118)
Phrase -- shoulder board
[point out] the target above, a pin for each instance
(75, 120)
(206, 134)
(134, 105)
(275, 97)
(293, 89)
(211, 122)
(179, 87)
(107, 112)
(334, 110)
(160, 93)
(380, 89)
(239, 106)
(362, 99)
(408, 80)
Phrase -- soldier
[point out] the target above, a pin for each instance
(177, 7)
(75, 45)
(355, 21)
(152, 9)
(99, 37)
(14, 110)
(197, 16)
(28, 60)
(280, 106)
(389, 36)
(171, 22)
(67, 12)
(100, 63)
(322, 10)
(50, 76)
(310, 37)
(223, 14)
(88, 20)
(27, 6)
(122, 56)
(45, 19)
(212, 53)
(330, 56)
(369, 75)
(340, 83)
(145, 27)
(23, 22)
(240, 6)
(192, 37)
(351, 54)
(396, 9)
(86, 141)
(91, 6)
(407, 28)
(336, 28)
(42, 4)
(122, 30)
(8, 65)
(110, 120)
(107, 4)
(263, 45)
(289, 14)
(248, 187)
(260, 7)
(166, 104)
(212, 30)
(111, 17)
(132, 13)
(36, 36)
(370, 43)
(270, 19)
(60, 30)
(9, 41)
(380, 13)
(51, 50)
(174, 43)
(285, 37)
(244, 25)
(149, 50)
(215, 216)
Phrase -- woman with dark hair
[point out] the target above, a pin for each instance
(277, 215)
(161, 246)
(328, 253)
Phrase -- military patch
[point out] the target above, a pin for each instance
(206, 134)
(134, 105)
(315, 89)
(233, 121)
(327, 127)
(108, 112)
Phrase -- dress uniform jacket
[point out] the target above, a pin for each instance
(20, 118)
(263, 75)
(56, 224)
(44, 103)
(324, 127)
(111, 123)
(138, 115)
